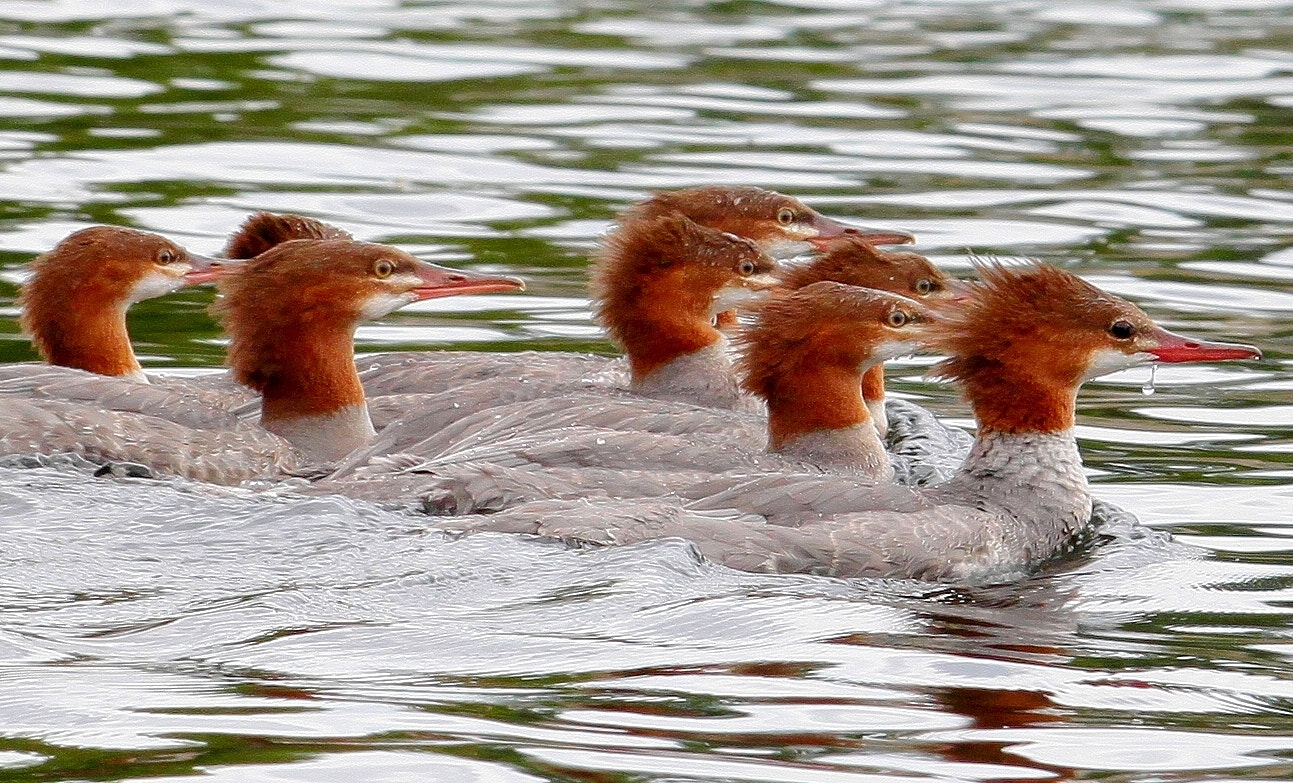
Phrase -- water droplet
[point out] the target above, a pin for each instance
(1148, 388)
(601, 441)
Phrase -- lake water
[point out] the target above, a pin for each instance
(165, 630)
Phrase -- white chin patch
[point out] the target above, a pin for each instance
(154, 284)
(892, 348)
(379, 305)
(785, 248)
(1107, 360)
(733, 297)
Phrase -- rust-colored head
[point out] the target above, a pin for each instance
(781, 225)
(1024, 338)
(264, 230)
(805, 352)
(291, 313)
(74, 306)
(657, 284)
(853, 260)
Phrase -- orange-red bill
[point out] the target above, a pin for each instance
(439, 281)
(206, 269)
(828, 229)
(1178, 348)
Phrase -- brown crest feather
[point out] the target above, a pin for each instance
(264, 230)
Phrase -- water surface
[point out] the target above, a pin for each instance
(164, 630)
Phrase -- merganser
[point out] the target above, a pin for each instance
(1020, 344)
(804, 354)
(74, 306)
(851, 258)
(783, 226)
(657, 284)
(925, 450)
(856, 261)
(297, 349)
(291, 314)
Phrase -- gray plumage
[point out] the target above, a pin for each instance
(230, 454)
(1018, 499)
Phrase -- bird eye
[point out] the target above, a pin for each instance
(166, 257)
(924, 286)
(786, 216)
(897, 318)
(383, 268)
(747, 268)
(1122, 330)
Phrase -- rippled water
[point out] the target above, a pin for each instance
(162, 630)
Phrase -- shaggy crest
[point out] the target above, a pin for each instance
(640, 250)
(329, 280)
(264, 230)
(1032, 304)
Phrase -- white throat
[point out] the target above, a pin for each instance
(855, 447)
(702, 377)
(879, 417)
(327, 437)
(152, 285)
(1108, 360)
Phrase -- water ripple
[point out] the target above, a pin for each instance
(165, 629)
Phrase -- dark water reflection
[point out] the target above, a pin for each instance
(165, 630)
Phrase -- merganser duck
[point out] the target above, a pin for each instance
(297, 350)
(657, 285)
(291, 314)
(655, 315)
(783, 226)
(74, 306)
(854, 260)
(1020, 344)
(925, 450)
(804, 354)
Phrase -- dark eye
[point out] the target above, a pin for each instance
(747, 268)
(383, 268)
(924, 286)
(897, 318)
(786, 216)
(166, 257)
(1122, 330)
